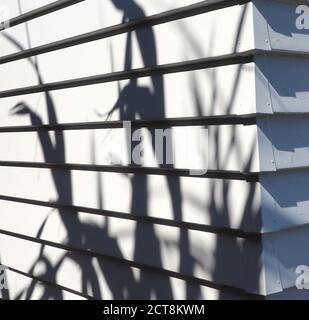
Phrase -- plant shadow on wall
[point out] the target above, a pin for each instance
(135, 101)
(79, 234)
(220, 209)
(219, 206)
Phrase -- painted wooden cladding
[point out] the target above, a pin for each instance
(281, 91)
(72, 234)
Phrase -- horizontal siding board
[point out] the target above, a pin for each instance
(284, 199)
(287, 137)
(289, 294)
(181, 29)
(166, 123)
(276, 23)
(233, 147)
(176, 30)
(219, 152)
(201, 198)
(288, 249)
(93, 102)
(135, 74)
(281, 84)
(129, 283)
(39, 12)
(134, 169)
(166, 251)
(20, 284)
(115, 15)
(36, 4)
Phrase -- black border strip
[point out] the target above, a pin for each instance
(133, 264)
(156, 123)
(39, 12)
(210, 174)
(139, 218)
(191, 65)
(172, 15)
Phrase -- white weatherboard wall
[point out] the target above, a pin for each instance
(72, 234)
